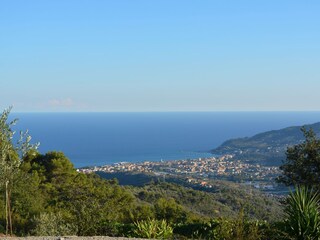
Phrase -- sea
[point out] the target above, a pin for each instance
(96, 139)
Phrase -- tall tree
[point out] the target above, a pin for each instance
(11, 156)
(302, 164)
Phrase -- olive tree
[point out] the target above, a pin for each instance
(11, 156)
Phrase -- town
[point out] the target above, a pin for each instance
(201, 171)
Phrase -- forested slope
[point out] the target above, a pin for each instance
(268, 147)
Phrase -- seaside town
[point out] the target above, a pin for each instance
(201, 171)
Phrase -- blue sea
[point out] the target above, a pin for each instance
(90, 139)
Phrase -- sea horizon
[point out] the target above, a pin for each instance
(101, 138)
(176, 111)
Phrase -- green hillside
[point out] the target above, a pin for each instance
(268, 147)
(225, 199)
(51, 197)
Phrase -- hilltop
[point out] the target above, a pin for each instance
(267, 148)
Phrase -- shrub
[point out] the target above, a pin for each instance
(52, 224)
(227, 229)
(151, 228)
(303, 218)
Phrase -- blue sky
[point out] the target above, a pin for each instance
(166, 55)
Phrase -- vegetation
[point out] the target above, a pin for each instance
(54, 199)
(10, 159)
(52, 224)
(302, 165)
(86, 202)
(45, 195)
(227, 229)
(151, 228)
(268, 148)
(303, 216)
(302, 168)
(225, 199)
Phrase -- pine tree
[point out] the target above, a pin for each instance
(302, 164)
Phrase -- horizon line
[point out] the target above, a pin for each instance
(176, 111)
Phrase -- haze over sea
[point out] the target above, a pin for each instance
(103, 138)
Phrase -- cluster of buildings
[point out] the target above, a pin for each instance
(224, 167)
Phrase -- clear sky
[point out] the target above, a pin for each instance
(160, 55)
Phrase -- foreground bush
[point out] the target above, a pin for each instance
(303, 218)
(227, 229)
(151, 228)
(51, 224)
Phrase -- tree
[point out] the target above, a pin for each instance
(302, 164)
(11, 156)
(169, 210)
(88, 204)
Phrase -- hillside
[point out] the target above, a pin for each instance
(268, 147)
(58, 200)
(223, 199)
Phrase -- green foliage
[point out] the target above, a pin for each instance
(142, 212)
(129, 178)
(114, 229)
(27, 202)
(200, 230)
(227, 229)
(85, 204)
(9, 160)
(171, 211)
(302, 165)
(11, 156)
(225, 199)
(52, 224)
(246, 230)
(303, 217)
(86, 199)
(152, 228)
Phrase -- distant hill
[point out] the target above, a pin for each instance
(267, 148)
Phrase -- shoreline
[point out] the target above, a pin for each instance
(208, 155)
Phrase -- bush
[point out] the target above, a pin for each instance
(227, 229)
(198, 230)
(52, 224)
(114, 229)
(303, 218)
(151, 228)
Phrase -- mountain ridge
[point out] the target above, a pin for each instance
(267, 147)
